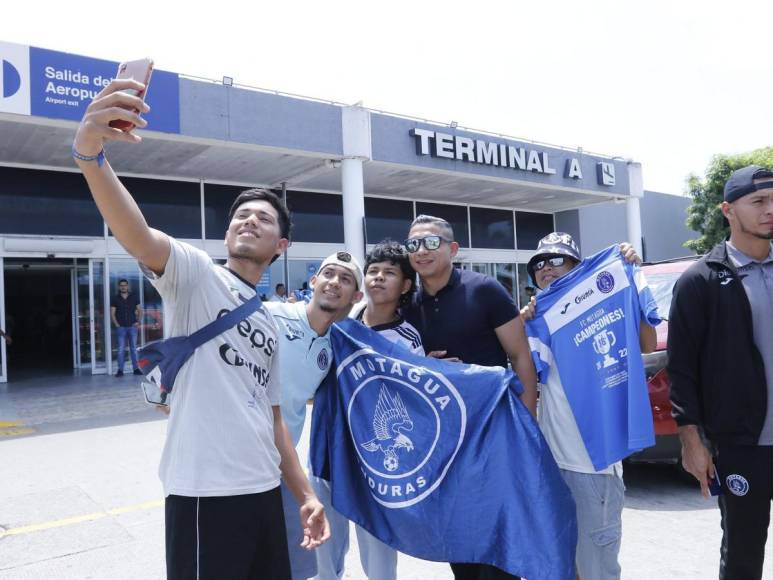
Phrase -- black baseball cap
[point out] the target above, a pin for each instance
(554, 244)
(741, 182)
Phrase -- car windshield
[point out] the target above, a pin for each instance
(662, 287)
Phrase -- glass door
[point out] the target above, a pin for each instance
(92, 316)
(99, 316)
(3, 365)
(75, 313)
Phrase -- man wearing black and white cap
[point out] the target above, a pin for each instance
(720, 362)
(599, 495)
(304, 338)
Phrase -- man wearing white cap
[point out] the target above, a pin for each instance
(304, 332)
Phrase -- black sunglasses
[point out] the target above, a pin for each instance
(555, 262)
(430, 242)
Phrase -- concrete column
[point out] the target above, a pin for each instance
(355, 124)
(632, 208)
(285, 257)
(354, 207)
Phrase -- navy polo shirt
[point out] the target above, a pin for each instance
(462, 317)
(125, 308)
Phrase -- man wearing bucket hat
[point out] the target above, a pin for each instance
(720, 363)
(598, 495)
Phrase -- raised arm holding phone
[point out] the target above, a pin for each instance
(226, 442)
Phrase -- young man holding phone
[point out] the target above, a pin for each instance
(226, 441)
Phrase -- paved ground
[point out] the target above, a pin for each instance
(53, 402)
(80, 499)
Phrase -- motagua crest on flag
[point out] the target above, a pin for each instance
(407, 424)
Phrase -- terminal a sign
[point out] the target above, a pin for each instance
(59, 85)
(459, 148)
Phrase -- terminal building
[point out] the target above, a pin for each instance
(351, 177)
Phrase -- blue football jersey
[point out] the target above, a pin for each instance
(587, 325)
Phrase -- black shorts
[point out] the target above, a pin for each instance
(240, 537)
(480, 572)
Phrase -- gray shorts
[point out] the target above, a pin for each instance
(599, 498)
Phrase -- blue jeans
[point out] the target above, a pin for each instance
(378, 560)
(599, 498)
(124, 332)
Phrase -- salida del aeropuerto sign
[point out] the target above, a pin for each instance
(60, 85)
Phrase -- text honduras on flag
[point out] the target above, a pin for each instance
(440, 460)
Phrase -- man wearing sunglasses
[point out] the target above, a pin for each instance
(466, 316)
(599, 495)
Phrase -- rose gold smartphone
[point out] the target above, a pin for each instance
(139, 70)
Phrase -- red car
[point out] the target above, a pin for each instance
(661, 277)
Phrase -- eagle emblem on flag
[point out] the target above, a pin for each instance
(390, 422)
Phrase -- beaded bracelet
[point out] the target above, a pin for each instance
(99, 157)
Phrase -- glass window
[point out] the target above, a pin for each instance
(174, 207)
(98, 274)
(526, 289)
(152, 325)
(300, 271)
(456, 215)
(505, 275)
(492, 228)
(47, 203)
(316, 217)
(217, 202)
(531, 228)
(387, 218)
(662, 288)
(84, 315)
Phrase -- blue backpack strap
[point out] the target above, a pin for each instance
(223, 323)
(160, 361)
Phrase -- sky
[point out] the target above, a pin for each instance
(667, 84)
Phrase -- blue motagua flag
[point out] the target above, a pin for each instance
(440, 460)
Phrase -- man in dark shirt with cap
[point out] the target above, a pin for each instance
(126, 313)
(465, 316)
(720, 351)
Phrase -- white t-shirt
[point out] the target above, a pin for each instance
(220, 436)
(306, 359)
(560, 429)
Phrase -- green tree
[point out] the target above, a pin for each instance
(704, 215)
